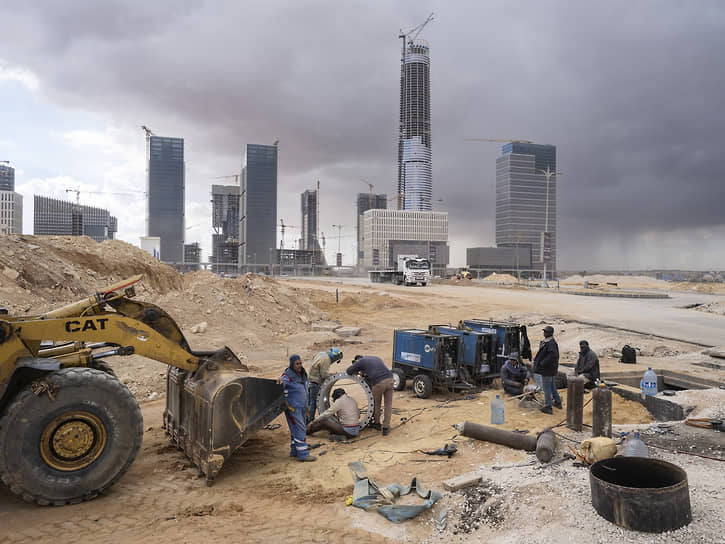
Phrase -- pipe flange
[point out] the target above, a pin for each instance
(323, 397)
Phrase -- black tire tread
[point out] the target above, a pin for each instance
(63, 378)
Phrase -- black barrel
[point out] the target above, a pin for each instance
(640, 493)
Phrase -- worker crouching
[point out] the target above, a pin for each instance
(347, 412)
(514, 375)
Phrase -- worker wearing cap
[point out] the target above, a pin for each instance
(514, 375)
(294, 380)
(546, 363)
(381, 381)
(347, 412)
(319, 372)
(587, 365)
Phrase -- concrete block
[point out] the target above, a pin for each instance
(347, 331)
(461, 481)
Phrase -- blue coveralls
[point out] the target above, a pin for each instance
(295, 393)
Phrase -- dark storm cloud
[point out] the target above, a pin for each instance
(630, 92)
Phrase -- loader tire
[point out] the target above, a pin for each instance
(104, 367)
(70, 437)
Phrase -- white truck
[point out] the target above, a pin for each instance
(411, 270)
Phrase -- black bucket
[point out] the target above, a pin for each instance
(641, 494)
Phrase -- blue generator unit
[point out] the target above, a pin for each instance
(510, 337)
(477, 352)
(430, 360)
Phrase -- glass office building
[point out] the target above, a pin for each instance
(258, 222)
(7, 177)
(522, 195)
(62, 218)
(165, 202)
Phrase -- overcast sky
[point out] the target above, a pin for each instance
(631, 93)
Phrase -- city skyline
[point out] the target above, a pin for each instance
(642, 159)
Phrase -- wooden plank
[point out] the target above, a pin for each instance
(462, 480)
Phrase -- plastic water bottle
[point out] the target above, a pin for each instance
(635, 447)
(497, 411)
(648, 384)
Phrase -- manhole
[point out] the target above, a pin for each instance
(641, 494)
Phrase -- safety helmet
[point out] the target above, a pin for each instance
(335, 354)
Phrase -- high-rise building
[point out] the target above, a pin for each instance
(415, 171)
(258, 221)
(310, 214)
(165, 188)
(11, 212)
(389, 233)
(60, 217)
(192, 257)
(7, 177)
(365, 202)
(225, 222)
(526, 201)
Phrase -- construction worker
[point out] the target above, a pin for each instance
(546, 363)
(347, 412)
(381, 381)
(319, 372)
(514, 375)
(295, 382)
(587, 365)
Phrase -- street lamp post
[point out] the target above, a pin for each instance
(548, 173)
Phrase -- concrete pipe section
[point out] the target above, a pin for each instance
(354, 386)
(640, 493)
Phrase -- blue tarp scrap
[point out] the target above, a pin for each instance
(370, 496)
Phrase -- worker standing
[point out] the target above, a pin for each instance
(319, 372)
(514, 375)
(587, 365)
(295, 382)
(546, 363)
(381, 380)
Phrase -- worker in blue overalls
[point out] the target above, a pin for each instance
(296, 389)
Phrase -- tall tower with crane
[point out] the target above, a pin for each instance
(415, 171)
(166, 188)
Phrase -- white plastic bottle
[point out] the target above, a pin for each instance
(648, 384)
(497, 409)
(635, 447)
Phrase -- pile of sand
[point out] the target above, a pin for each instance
(500, 278)
(636, 282)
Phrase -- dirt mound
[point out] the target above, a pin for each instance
(500, 278)
(640, 282)
(57, 268)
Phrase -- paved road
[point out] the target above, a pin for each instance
(660, 317)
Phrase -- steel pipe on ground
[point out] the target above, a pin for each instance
(497, 436)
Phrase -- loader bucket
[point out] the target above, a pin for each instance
(215, 409)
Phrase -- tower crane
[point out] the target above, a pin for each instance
(497, 140)
(417, 31)
(78, 193)
(282, 227)
(370, 185)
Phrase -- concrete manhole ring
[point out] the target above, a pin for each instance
(354, 386)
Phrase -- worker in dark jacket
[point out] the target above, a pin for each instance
(296, 385)
(587, 365)
(546, 363)
(514, 375)
(381, 380)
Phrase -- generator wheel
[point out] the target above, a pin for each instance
(69, 437)
(422, 386)
(398, 379)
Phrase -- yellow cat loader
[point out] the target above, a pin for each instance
(69, 429)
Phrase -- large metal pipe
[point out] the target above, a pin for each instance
(545, 446)
(575, 403)
(497, 436)
(602, 412)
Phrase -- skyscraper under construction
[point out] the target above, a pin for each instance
(415, 172)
